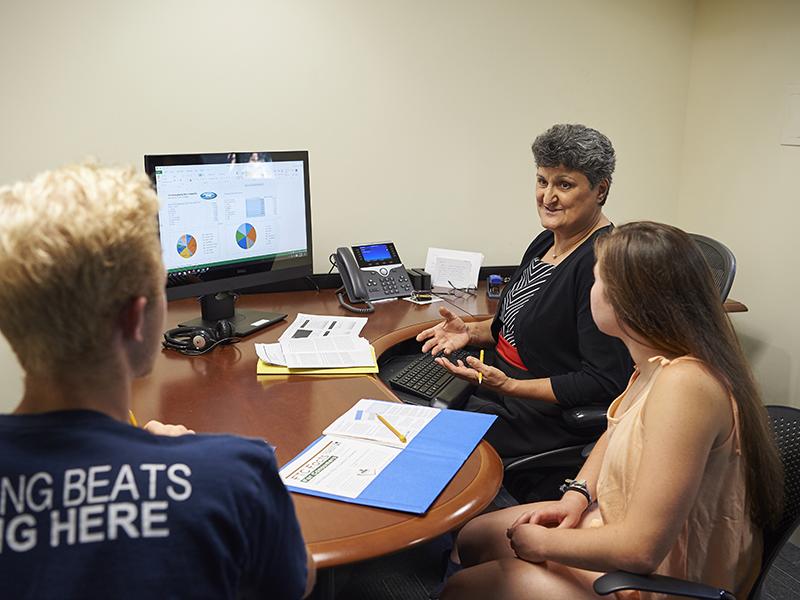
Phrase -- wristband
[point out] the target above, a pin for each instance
(579, 486)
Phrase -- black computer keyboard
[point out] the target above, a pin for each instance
(424, 378)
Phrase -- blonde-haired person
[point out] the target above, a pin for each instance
(676, 480)
(89, 505)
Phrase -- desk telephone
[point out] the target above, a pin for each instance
(371, 272)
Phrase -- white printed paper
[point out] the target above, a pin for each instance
(319, 342)
(328, 352)
(362, 422)
(453, 268)
(319, 326)
(271, 353)
(339, 466)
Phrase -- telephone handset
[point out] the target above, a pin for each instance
(371, 272)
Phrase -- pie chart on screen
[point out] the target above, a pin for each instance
(246, 236)
(187, 246)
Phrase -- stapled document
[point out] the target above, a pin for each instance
(320, 342)
(266, 366)
(321, 353)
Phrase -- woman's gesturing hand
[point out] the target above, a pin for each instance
(449, 335)
(491, 376)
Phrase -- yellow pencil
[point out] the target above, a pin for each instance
(132, 418)
(480, 375)
(399, 435)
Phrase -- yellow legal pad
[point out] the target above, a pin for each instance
(263, 368)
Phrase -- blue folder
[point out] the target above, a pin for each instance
(416, 477)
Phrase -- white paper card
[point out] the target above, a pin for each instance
(453, 268)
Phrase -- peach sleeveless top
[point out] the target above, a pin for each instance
(718, 545)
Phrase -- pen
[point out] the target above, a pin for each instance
(132, 418)
(399, 435)
(480, 375)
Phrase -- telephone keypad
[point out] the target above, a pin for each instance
(389, 284)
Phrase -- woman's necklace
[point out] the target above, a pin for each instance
(555, 254)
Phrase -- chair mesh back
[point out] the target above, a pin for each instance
(715, 261)
(786, 426)
(721, 261)
(785, 422)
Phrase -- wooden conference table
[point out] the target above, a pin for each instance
(220, 392)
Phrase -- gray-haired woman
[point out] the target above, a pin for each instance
(549, 356)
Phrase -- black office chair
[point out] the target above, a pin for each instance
(786, 428)
(588, 420)
(539, 476)
(721, 261)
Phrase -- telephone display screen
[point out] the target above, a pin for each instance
(376, 255)
(376, 252)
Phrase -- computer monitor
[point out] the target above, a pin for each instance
(229, 221)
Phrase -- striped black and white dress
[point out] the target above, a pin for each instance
(520, 293)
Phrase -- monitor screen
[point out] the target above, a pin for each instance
(229, 221)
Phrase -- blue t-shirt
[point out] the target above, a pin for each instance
(94, 508)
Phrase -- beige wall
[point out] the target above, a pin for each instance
(11, 378)
(418, 115)
(425, 111)
(738, 183)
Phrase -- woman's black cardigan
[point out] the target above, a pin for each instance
(556, 336)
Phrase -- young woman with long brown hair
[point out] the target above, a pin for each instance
(675, 485)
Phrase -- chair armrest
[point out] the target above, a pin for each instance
(585, 418)
(585, 421)
(571, 456)
(622, 580)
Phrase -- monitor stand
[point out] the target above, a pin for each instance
(215, 307)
